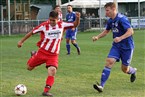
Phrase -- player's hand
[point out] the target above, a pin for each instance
(78, 14)
(19, 44)
(94, 38)
(73, 29)
(117, 39)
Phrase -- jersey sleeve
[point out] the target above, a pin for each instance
(108, 25)
(67, 25)
(39, 28)
(125, 23)
(66, 17)
(74, 15)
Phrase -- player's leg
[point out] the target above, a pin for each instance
(35, 60)
(126, 57)
(51, 65)
(67, 36)
(110, 61)
(49, 80)
(105, 74)
(68, 46)
(73, 41)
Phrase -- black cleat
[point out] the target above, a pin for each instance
(47, 94)
(79, 51)
(33, 53)
(68, 54)
(133, 76)
(98, 87)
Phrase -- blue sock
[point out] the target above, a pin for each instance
(76, 45)
(68, 48)
(105, 76)
(131, 70)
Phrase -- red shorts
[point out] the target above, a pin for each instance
(41, 57)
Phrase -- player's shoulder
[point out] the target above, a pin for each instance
(109, 21)
(67, 13)
(45, 22)
(122, 17)
(74, 12)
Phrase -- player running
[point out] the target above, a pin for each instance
(49, 46)
(71, 33)
(122, 47)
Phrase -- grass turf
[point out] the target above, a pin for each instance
(76, 73)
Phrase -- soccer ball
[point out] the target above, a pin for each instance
(20, 89)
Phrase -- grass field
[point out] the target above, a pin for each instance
(76, 73)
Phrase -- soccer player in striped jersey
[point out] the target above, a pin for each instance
(57, 9)
(71, 33)
(122, 46)
(49, 46)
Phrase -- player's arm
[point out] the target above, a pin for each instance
(77, 20)
(34, 31)
(104, 33)
(20, 43)
(128, 33)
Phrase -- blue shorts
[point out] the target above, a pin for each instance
(124, 54)
(70, 34)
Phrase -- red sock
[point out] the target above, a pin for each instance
(49, 83)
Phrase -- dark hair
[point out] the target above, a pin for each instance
(69, 5)
(53, 14)
(110, 4)
(56, 6)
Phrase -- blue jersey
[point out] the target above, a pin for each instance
(71, 34)
(119, 26)
(70, 17)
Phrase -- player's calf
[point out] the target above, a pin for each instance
(79, 50)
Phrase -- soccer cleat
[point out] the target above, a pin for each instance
(133, 76)
(47, 94)
(68, 54)
(79, 51)
(98, 87)
(33, 53)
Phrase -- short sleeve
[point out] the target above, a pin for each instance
(125, 23)
(74, 16)
(67, 25)
(108, 25)
(38, 29)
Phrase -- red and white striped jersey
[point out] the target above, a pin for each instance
(51, 36)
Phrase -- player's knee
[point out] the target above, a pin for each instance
(30, 68)
(125, 69)
(109, 62)
(73, 41)
(51, 71)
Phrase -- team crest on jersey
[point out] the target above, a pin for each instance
(114, 27)
(116, 24)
